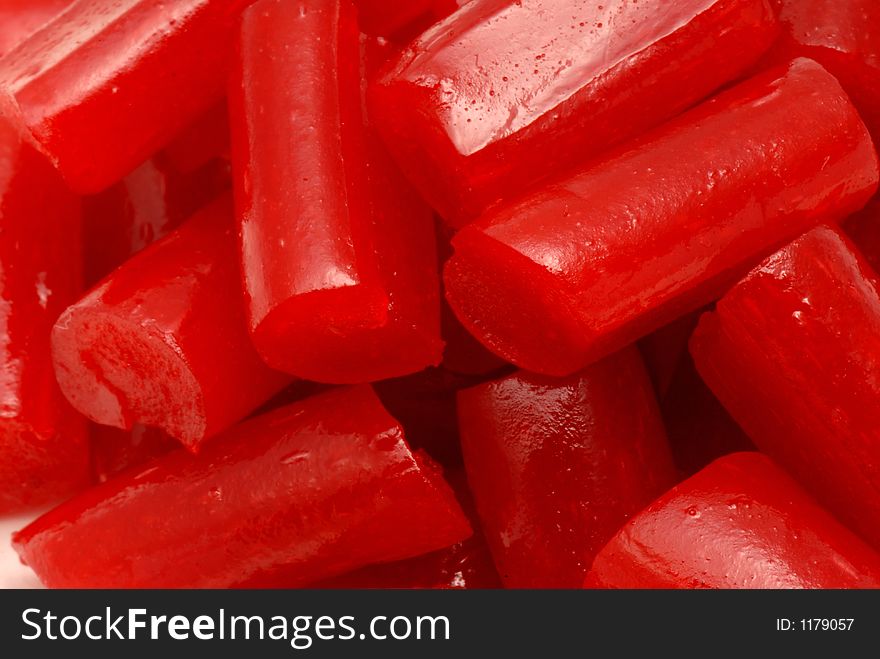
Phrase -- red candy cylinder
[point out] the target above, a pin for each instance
(43, 448)
(844, 37)
(664, 226)
(793, 352)
(466, 565)
(108, 83)
(339, 257)
(504, 93)
(557, 466)
(386, 17)
(739, 523)
(162, 341)
(303, 489)
(115, 450)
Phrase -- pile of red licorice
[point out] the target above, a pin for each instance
(556, 294)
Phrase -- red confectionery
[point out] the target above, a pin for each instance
(109, 82)
(339, 256)
(463, 353)
(793, 352)
(336, 492)
(21, 18)
(742, 522)
(557, 466)
(864, 230)
(466, 565)
(506, 93)
(665, 225)
(142, 208)
(843, 36)
(43, 446)
(163, 340)
(700, 430)
(115, 450)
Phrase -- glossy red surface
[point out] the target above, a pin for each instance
(466, 565)
(336, 492)
(843, 36)
(662, 227)
(108, 83)
(163, 340)
(462, 352)
(339, 257)
(114, 450)
(504, 93)
(742, 522)
(793, 352)
(143, 207)
(21, 18)
(557, 466)
(43, 446)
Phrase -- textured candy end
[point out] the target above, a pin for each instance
(343, 336)
(117, 372)
(513, 306)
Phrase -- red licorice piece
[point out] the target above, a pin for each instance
(586, 266)
(21, 18)
(43, 447)
(163, 341)
(143, 207)
(115, 450)
(793, 352)
(109, 82)
(335, 492)
(339, 256)
(864, 230)
(462, 353)
(506, 93)
(843, 36)
(742, 522)
(557, 466)
(466, 565)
